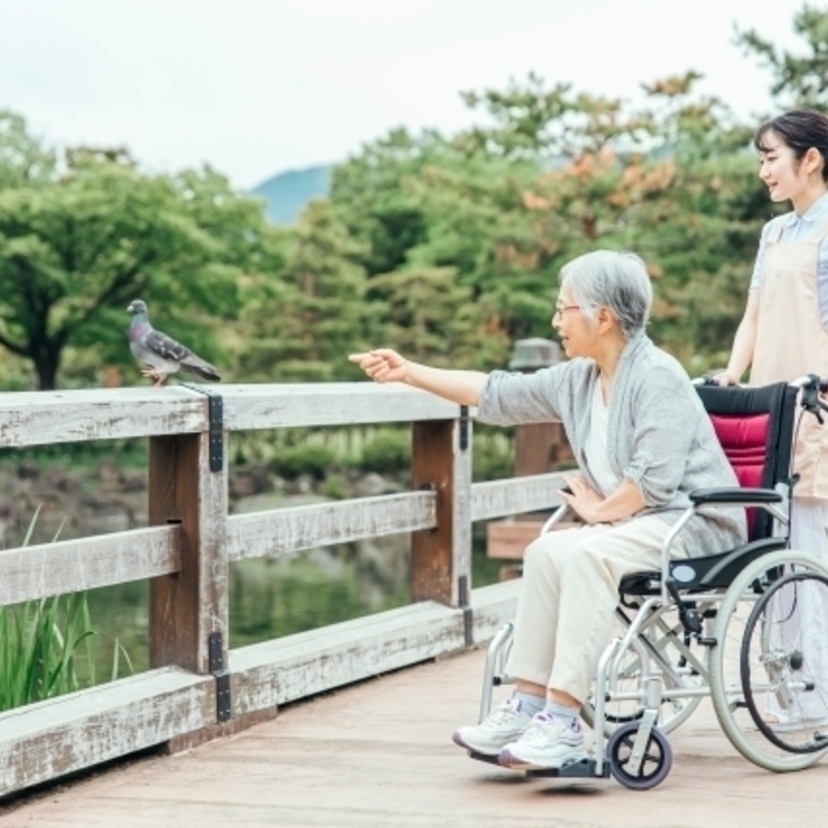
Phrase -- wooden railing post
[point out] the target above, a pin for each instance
(189, 606)
(441, 557)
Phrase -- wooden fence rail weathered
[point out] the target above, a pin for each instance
(195, 683)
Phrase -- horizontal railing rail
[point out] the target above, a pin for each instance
(194, 681)
(38, 418)
(42, 571)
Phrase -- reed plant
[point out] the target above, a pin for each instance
(47, 646)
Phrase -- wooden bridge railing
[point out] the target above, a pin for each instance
(194, 684)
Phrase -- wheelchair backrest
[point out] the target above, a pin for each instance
(755, 428)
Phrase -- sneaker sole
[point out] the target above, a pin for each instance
(455, 737)
(509, 760)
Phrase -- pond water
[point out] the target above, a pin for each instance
(269, 599)
(71, 495)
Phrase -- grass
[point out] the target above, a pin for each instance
(47, 646)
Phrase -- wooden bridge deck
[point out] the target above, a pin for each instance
(378, 754)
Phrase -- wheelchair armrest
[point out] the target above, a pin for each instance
(735, 496)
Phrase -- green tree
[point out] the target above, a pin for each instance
(429, 316)
(302, 325)
(23, 160)
(798, 79)
(76, 249)
(373, 197)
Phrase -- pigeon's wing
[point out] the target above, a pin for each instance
(165, 347)
(196, 365)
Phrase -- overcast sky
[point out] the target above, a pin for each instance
(256, 87)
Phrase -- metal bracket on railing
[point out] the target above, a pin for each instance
(465, 605)
(221, 675)
(464, 427)
(215, 420)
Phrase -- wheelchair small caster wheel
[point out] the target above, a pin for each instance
(655, 763)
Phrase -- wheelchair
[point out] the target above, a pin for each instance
(726, 626)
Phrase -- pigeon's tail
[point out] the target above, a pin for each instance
(194, 365)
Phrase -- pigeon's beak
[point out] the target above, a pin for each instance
(130, 309)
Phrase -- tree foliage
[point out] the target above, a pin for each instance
(446, 246)
(550, 174)
(78, 245)
(300, 326)
(798, 79)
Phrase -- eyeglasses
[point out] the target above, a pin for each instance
(560, 310)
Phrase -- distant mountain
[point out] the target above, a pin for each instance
(287, 193)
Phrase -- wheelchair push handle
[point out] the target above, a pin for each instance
(812, 386)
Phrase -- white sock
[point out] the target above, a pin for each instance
(531, 704)
(568, 715)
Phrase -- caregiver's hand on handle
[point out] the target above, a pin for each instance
(727, 378)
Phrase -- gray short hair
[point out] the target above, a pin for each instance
(615, 280)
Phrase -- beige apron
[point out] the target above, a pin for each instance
(791, 341)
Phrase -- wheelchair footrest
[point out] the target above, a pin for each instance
(580, 769)
(483, 757)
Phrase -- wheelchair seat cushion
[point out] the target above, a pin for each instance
(702, 574)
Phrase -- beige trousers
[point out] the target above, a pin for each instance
(569, 594)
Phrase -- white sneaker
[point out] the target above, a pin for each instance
(502, 726)
(548, 742)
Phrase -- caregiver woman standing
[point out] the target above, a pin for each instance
(784, 334)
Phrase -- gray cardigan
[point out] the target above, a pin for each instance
(659, 437)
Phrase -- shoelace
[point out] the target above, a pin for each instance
(542, 724)
(505, 712)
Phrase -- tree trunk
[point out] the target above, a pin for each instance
(46, 357)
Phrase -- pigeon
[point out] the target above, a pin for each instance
(160, 354)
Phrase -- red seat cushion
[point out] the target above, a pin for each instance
(744, 439)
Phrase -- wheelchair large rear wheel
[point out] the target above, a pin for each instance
(680, 663)
(747, 633)
(784, 663)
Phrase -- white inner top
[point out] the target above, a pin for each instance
(595, 446)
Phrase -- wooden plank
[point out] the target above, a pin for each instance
(508, 539)
(57, 568)
(187, 607)
(49, 739)
(461, 524)
(35, 418)
(297, 666)
(441, 558)
(328, 404)
(276, 672)
(282, 531)
(38, 418)
(492, 606)
(540, 447)
(499, 498)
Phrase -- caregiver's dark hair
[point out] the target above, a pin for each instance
(799, 129)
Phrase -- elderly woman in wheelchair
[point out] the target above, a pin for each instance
(657, 495)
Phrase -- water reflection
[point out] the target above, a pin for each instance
(269, 599)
